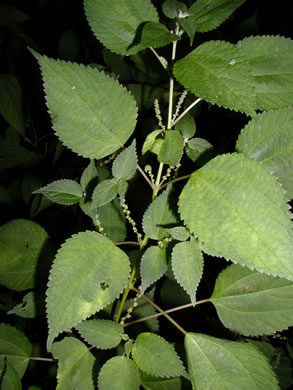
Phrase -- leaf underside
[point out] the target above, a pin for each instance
(238, 211)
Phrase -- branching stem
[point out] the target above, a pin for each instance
(186, 111)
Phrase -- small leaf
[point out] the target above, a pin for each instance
(186, 126)
(124, 165)
(88, 175)
(15, 347)
(149, 141)
(104, 192)
(156, 356)
(268, 138)
(270, 59)
(92, 113)
(11, 15)
(24, 249)
(150, 382)
(153, 266)
(171, 8)
(115, 24)
(238, 211)
(180, 233)
(187, 265)
(88, 273)
(216, 364)
(31, 306)
(196, 147)
(119, 373)
(113, 220)
(102, 334)
(218, 72)
(251, 303)
(172, 148)
(75, 365)
(158, 215)
(65, 192)
(11, 101)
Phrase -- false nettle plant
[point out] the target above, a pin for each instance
(102, 282)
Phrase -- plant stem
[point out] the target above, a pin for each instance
(134, 243)
(186, 111)
(174, 180)
(188, 305)
(161, 311)
(42, 359)
(145, 176)
(125, 295)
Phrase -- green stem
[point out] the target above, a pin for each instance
(186, 111)
(134, 243)
(125, 295)
(174, 181)
(145, 176)
(161, 311)
(42, 359)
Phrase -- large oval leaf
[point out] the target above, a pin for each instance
(216, 364)
(251, 303)
(92, 113)
(218, 72)
(237, 210)
(268, 138)
(271, 62)
(88, 273)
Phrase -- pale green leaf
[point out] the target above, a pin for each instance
(102, 334)
(75, 365)
(115, 24)
(186, 126)
(122, 188)
(64, 191)
(89, 175)
(150, 139)
(180, 233)
(88, 273)
(216, 364)
(158, 215)
(92, 113)
(270, 59)
(196, 147)
(154, 383)
(172, 148)
(209, 14)
(155, 356)
(237, 210)
(104, 192)
(15, 348)
(153, 266)
(11, 102)
(187, 265)
(251, 303)
(218, 72)
(24, 248)
(31, 306)
(113, 220)
(268, 138)
(124, 165)
(119, 373)
(9, 377)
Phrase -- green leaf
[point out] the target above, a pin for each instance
(268, 138)
(187, 265)
(9, 377)
(64, 191)
(237, 210)
(153, 266)
(24, 249)
(11, 102)
(172, 148)
(115, 24)
(180, 233)
(119, 373)
(75, 365)
(218, 72)
(10, 15)
(92, 113)
(104, 192)
(15, 348)
(124, 165)
(216, 364)
(150, 382)
(171, 8)
(31, 306)
(155, 356)
(102, 334)
(251, 303)
(270, 59)
(186, 126)
(113, 220)
(209, 14)
(88, 273)
(196, 147)
(150, 140)
(88, 175)
(158, 215)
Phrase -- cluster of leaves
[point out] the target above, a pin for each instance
(235, 206)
